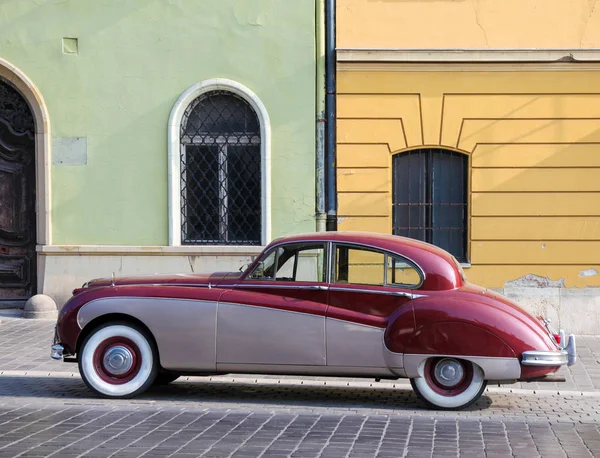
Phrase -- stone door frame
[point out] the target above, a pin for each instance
(43, 141)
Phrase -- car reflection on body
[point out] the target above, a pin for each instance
(328, 304)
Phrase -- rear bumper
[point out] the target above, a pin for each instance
(567, 355)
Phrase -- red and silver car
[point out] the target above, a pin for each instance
(328, 304)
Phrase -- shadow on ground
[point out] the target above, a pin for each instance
(227, 395)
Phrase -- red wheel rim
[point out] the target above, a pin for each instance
(120, 346)
(457, 386)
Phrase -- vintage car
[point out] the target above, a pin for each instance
(328, 304)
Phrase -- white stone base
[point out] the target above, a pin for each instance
(62, 269)
(576, 310)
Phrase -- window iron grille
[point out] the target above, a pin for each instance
(221, 187)
(429, 198)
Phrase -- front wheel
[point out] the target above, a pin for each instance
(449, 383)
(118, 360)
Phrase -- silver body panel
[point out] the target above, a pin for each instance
(354, 345)
(493, 368)
(184, 330)
(290, 369)
(248, 334)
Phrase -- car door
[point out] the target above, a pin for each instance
(276, 314)
(367, 287)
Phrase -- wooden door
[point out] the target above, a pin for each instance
(17, 199)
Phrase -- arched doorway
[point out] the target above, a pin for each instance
(17, 198)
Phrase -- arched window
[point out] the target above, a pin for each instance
(429, 198)
(221, 190)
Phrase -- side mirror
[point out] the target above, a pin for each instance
(244, 267)
(260, 270)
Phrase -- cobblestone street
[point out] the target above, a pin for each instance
(46, 410)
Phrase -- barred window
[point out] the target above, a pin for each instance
(221, 190)
(429, 198)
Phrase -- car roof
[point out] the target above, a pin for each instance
(438, 265)
(374, 239)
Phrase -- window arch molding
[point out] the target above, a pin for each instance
(174, 151)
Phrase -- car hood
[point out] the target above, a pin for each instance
(214, 279)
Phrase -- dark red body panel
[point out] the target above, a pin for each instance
(313, 302)
(361, 304)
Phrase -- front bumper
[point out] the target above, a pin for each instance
(56, 350)
(566, 355)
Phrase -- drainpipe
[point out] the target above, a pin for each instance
(330, 141)
(321, 216)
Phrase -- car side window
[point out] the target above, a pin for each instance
(359, 266)
(301, 262)
(402, 273)
(364, 266)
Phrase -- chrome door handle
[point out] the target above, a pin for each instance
(318, 287)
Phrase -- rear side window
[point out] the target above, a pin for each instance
(364, 266)
(402, 273)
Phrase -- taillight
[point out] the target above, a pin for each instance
(557, 338)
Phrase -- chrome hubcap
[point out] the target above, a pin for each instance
(118, 360)
(448, 372)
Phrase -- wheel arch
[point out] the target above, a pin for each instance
(110, 317)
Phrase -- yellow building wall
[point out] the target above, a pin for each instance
(468, 24)
(532, 134)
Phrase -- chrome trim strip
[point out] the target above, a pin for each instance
(370, 291)
(300, 286)
(297, 369)
(356, 324)
(329, 262)
(545, 358)
(566, 355)
(571, 350)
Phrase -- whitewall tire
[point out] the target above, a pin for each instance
(449, 383)
(118, 360)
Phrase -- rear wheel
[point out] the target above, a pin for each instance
(449, 383)
(118, 360)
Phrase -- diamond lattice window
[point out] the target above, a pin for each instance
(221, 191)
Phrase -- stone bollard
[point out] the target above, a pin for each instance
(40, 306)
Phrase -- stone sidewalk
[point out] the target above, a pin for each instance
(25, 348)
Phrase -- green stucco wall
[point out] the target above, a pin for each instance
(135, 59)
